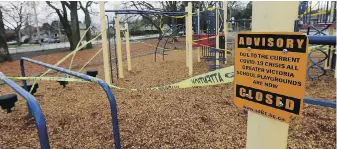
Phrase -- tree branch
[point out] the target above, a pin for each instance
(13, 26)
(66, 4)
(81, 6)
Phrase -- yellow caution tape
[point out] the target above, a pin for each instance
(216, 77)
(211, 37)
(214, 47)
(99, 51)
(78, 44)
(48, 79)
(324, 47)
(313, 14)
(70, 54)
(306, 11)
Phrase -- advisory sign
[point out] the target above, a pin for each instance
(270, 72)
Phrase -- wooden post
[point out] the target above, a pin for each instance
(263, 132)
(328, 62)
(198, 32)
(107, 74)
(190, 39)
(186, 37)
(225, 27)
(37, 24)
(118, 45)
(127, 45)
(217, 63)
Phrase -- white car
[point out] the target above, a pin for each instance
(11, 42)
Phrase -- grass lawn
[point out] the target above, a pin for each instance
(23, 45)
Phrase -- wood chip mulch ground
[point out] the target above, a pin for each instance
(78, 115)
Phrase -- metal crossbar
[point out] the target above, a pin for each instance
(130, 11)
(35, 109)
(320, 102)
(323, 40)
(104, 85)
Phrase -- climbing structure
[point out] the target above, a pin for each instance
(167, 39)
(210, 27)
(318, 19)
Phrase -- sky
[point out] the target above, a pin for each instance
(47, 14)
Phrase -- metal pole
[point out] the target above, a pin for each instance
(59, 24)
(37, 24)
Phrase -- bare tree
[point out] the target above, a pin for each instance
(153, 20)
(72, 30)
(87, 11)
(4, 53)
(15, 15)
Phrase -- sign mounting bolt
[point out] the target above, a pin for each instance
(281, 104)
(249, 48)
(285, 51)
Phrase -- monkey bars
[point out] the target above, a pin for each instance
(104, 85)
(35, 109)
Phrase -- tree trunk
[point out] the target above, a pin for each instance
(18, 37)
(87, 25)
(74, 23)
(4, 53)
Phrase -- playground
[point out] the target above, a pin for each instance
(80, 116)
(184, 118)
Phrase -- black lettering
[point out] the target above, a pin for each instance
(299, 42)
(277, 101)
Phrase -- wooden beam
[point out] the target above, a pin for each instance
(186, 37)
(217, 62)
(198, 32)
(190, 39)
(106, 63)
(118, 45)
(263, 132)
(127, 45)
